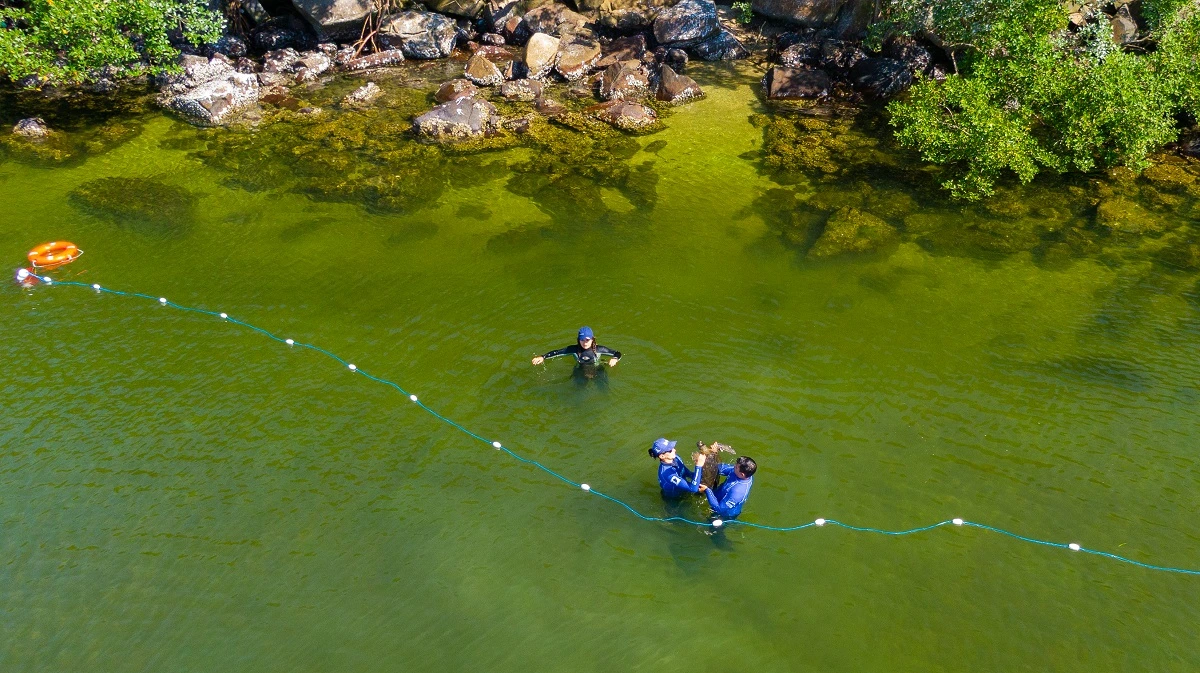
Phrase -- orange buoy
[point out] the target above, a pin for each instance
(54, 254)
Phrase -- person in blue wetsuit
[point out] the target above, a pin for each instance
(726, 500)
(587, 352)
(674, 478)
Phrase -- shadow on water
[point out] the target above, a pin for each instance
(1101, 370)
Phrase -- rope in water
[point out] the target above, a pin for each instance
(715, 523)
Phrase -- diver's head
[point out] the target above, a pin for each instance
(745, 467)
(586, 338)
(663, 450)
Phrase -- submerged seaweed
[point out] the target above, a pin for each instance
(144, 205)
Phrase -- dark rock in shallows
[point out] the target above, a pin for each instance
(674, 88)
(521, 90)
(363, 95)
(553, 19)
(791, 84)
(467, 9)
(688, 22)
(495, 39)
(916, 57)
(721, 47)
(482, 71)
(677, 59)
(624, 81)
(838, 56)
(630, 15)
(421, 35)
(541, 53)
(577, 57)
(800, 54)
(33, 127)
(215, 102)
(851, 230)
(625, 115)
(335, 18)
(459, 119)
(629, 48)
(379, 59)
(844, 17)
(455, 89)
(549, 107)
(880, 78)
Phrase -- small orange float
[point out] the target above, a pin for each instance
(54, 254)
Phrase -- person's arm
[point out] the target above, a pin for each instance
(725, 470)
(731, 504)
(680, 479)
(614, 356)
(569, 350)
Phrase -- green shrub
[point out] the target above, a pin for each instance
(73, 41)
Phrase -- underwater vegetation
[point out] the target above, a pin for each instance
(145, 205)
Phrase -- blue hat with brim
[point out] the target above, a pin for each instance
(661, 446)
(586, 333)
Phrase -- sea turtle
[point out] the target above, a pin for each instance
(712, 454)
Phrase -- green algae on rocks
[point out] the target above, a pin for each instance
(145, 205)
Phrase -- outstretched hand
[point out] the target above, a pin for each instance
(537, 359)
(703, 488)
(700, 458)
(613, 362)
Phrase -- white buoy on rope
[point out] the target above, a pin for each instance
(413, 398)
(290, 342)
(717, 523)
(95, 286)
(224, 316)
(820, 522)
(352, 368)
(958, 522)
(585, 487)
(496, 444)
(1074, 547)
(162, 300)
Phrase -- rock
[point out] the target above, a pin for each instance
(271, 38)
(880, 78)
(503, 17)
(379, 59)
(541, 54)
(495, 39)
(455, 89)
(576, 57)
(311, 66)
(1124, 28)
(622, 81)
(913, 55)
(363, 95)
(229, 45)
(335, 18)
(1169, 177)
(676, 58)
(549, 107)
(801, 54)
(791, 84)
(468, 9)
(216, 101)
(580, 90)
(517, 124)
(196, 71)
(521, 90)
(838, 56)
(721, 47)
(630, 15)
(482, 71)
(420, 35)
(674, 88)
(688, 22)
(629, 48)
(625, 115)
(245, 65)
(553, 19)
(1123, 216)
(459, 119)
(280, 61)
(850, 230)
(32, 127)
(845, 17)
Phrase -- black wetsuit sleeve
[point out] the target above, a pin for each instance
(569, 350)
(605, 350)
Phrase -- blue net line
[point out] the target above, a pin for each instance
(716, 523)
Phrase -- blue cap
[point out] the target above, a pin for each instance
(586, 333)
(661, 446)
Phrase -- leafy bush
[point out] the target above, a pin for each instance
(745, 12)
(1029, 94)
(74, 41)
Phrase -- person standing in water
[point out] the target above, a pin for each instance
(674, 478)
(587, 352)
(726, 500)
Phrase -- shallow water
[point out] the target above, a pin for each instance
(178, 494)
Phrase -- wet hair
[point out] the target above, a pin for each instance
(746, 465)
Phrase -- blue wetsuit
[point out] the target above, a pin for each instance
(676, 480)
(727, 499)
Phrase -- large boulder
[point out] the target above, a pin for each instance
(720, 47)
(457, 120)
(194, 71)
(577, 57)
(32, 128)
(845, 17)
(455, 89)
(333, 19)
(541, 53)
(675, 88)
(880, 78)
(629, 48)
(1123, 216)
(468, 9)
(792, 84)
(482, 71)
(216, 101)
(688, 22)
(851, 230)
(624, 81)
(421, 35)
(554, 19)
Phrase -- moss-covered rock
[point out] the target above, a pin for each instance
(851, 230)
(1169, 177)
(1123, 216)
(145, 205)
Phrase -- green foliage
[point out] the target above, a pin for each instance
(1030, 95)
(745, 12)
(74, 40)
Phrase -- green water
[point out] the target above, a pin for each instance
(180, 495)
